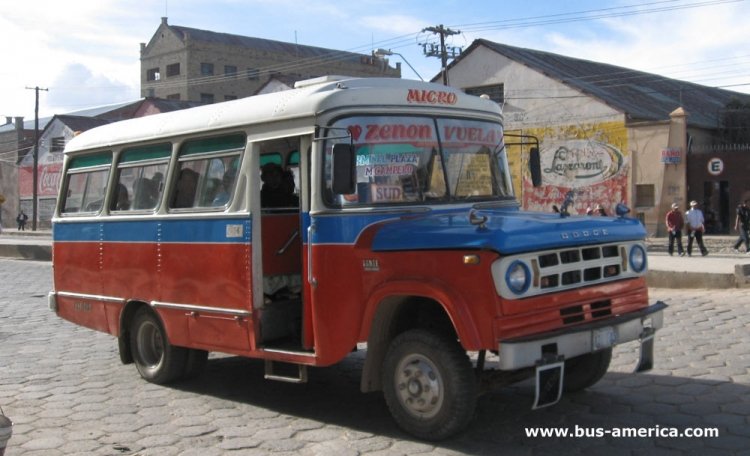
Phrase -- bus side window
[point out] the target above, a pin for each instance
(207, 171)
(85, 192)
(86, 183)
(140, 177)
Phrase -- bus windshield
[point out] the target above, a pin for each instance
(418, 160)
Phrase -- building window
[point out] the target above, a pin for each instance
(173, 69)
(230, 70)
(57, 144)
(230, 97)
(207, 69)
(645, 195)
(253, 74)
(174, 96)
(496, 92)
(153, 74)
(207, 98)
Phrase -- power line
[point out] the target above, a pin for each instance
(442, 52)
(587, 15)
(412, 38)
(407, 39)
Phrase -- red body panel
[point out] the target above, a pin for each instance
(351, 282)
(543, 313)
(278, 230)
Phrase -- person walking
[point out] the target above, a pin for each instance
(742, 225)
(675, 222)
(21, 220)
(695, 224)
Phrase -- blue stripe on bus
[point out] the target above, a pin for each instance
(171, 231)
(505, 230)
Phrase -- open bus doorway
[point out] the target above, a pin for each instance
(281, 310)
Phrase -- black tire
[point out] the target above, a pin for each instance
(585, 370)
(155, 358)
(195, 363)
(429, 384)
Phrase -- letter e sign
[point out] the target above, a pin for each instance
(715, 166)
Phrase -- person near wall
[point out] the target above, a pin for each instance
(675, 222)
(696, 228)
(21, 220)
(742, 225)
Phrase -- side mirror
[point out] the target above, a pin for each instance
(344, 178)
(535, 167)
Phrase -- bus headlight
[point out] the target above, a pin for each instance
(638, 258)
(518, 277)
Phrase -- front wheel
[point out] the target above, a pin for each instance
(155, 358)
(429, 384)
(585, 370)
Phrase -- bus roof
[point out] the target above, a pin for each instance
(310, 98)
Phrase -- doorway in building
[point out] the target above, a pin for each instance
(715, 206)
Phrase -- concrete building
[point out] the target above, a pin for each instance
(609, 133)
(16, 154)
(182, 63)
(16, 139)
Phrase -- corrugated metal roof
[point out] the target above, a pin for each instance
(80, 123)
(641, 96)
(263, 44)
(28, 124)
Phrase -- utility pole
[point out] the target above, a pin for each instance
(442, 52)
(35, 179)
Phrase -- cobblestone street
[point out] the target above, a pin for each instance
(67, 393)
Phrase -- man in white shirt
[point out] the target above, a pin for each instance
(695, 221)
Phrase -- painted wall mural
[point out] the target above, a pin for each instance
(592, 160)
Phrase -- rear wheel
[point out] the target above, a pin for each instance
(155, 358)
(429, 384)
(585, 370)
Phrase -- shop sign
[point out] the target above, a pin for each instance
(715, 166)
(671, 156)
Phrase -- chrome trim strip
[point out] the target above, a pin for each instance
(289, 352)
(194, 308)
(67, 294)
(310, 276)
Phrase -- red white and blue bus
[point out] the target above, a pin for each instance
(297, 226)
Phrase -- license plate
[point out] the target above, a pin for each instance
(603, 338)
(549, 382)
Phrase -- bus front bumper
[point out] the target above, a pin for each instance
(579, 340)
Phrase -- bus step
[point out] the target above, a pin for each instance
(284, 372)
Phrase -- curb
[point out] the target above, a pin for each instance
(26, 252)
(682, 279)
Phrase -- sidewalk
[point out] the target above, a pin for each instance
(722, 268)
(29, 245)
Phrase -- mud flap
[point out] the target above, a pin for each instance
(646, 360)
(549, 382)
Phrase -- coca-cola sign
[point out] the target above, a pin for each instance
(48, 180)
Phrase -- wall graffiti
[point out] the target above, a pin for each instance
(592, 160)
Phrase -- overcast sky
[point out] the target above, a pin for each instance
(87, 52)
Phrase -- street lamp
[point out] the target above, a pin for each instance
(381, 53)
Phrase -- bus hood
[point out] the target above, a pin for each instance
(505, 231)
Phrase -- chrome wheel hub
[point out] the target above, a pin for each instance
(419, 386)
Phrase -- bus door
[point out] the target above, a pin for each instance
(278, 282)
